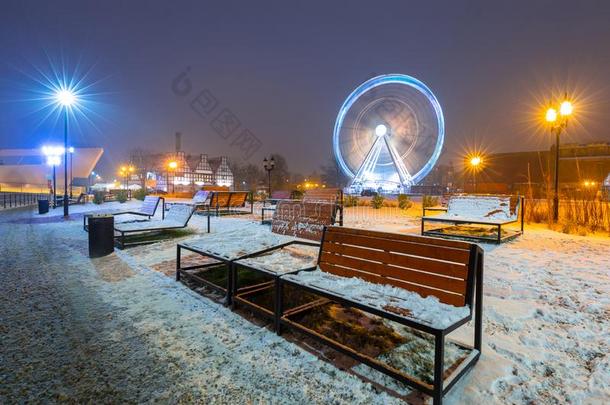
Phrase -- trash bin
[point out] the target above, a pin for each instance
(43, 206)
(101, 235)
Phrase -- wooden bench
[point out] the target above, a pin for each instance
(323, 195)
(357, 268)
(147, 209)
(269, 204)
(491, 211)
(177, 217)
(227, 202)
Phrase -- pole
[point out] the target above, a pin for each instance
(54, 189)
(66, 204)
(71, 178)
(556, 194)
(269, 181)
(474, 179)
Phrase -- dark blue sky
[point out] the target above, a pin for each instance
(284, 68)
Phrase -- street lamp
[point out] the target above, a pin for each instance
(557, 123)
(53, 154)
(71, 150)
(173, 165)
(269, 164)
(66, 98)
(475, 163)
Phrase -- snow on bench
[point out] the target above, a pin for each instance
(381, 296)
(492, 209)
(236, 243)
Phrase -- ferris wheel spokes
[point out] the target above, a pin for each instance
(401, 169)
(368, 164)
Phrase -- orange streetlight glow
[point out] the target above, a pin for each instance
(172, 165)
(551, 115)
(475, 161)
(566, 108)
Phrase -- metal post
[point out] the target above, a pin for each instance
(439, 363)
(54, 189)
(556, 194)
(71, 178)
(66, 213)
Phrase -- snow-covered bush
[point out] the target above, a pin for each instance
(404, 202)
(377, 201)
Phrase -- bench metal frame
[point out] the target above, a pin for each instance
(474, 221)
(441, 385)
(227, 290)
(241, 295)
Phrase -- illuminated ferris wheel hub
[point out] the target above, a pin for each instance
(388, 134)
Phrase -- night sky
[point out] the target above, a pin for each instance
(284, 68)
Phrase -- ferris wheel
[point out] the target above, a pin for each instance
(388, 134)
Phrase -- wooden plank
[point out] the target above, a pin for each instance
(403, 237)
(443, 296)
(450, 269)
(238, 199)
(302, 219)
(418, 248)
(400, 273)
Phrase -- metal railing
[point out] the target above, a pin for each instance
(12, 200)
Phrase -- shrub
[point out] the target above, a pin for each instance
(296, 194)
(404, 202)
(429, 201)
(121, 196)
(260, 196)
(98, 197)
(140, 194)
(377, 201)
(350, 201)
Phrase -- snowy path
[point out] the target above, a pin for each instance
(76, 329)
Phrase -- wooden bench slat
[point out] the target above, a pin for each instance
(401, 246)
(302, 219)
(400, 273)
(430, 265)
(446, 297)
(403, 237)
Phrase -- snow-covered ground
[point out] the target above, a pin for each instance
(119, 328)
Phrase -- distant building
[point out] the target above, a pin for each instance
(191, 172)
(27, 169)
(532, 172)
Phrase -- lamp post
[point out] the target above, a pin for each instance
(557, 123)
(71, 150)
(66, 98)
(269, 164)
(173, 165)
(475, 162)
(54, 161)
(123, 174)
(53, 154)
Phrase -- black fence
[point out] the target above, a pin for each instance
(10, 200)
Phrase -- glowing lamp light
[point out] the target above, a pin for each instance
(71, 149)
(566, 108)
(52, 150)
(475, 161)
(551, 115)
(53, 160)
(381, 130)
(65, 97)
(173, 165)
